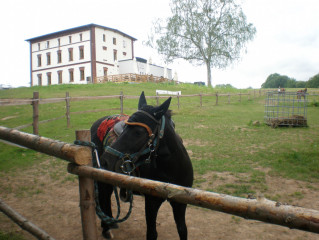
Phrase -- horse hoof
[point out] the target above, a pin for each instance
(108, 234)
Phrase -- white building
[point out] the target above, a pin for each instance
(82, 54)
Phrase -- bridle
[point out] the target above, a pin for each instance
(130, 162)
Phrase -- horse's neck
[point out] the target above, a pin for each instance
(173, 142)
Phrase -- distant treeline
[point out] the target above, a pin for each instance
(276, 80)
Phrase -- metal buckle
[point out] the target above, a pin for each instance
(97, 158)
(127, 166)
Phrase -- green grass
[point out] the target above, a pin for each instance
(10, 236)
(221, 138)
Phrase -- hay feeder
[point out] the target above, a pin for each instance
(286, 109)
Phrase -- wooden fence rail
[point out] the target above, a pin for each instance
(70, 152)
(258, 209)
(23, 222)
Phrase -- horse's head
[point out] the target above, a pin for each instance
(139, 138)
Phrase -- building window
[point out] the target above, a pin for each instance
(114, 41)
(81, 37)
(124, 53)
(71, 74)
(70, 39)
(81, 49)
(115, 55)
(48, 44)
(39, 60)
(70, 54)
(82, 76)
(48, 58)
(49, 78)
(104, 48)
(39, 46)
(40, 79)
(124, 44)
(59, 42)
(104, 38)
(60, 77)
(105, 71)
(59, 56)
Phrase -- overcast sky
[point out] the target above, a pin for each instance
(287, 39)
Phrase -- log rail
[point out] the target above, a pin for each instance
(258, 209)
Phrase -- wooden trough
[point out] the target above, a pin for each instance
(257, 209)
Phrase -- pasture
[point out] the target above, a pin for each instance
(229, 155)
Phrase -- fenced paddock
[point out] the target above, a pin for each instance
(259, 209)
(67, 106)
(286, 109)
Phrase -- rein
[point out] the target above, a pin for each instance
(130, 161)
(98, 210)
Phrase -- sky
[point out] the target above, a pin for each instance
(286, 42)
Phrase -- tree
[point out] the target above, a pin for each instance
(276, 80)
(313, 82)
(210, 32)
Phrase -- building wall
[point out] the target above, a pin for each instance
(133, 66)
(108, 42)
(112, 53)
(62, 44)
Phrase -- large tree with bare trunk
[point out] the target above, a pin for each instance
(210, 32)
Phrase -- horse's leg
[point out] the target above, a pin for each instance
(105, 192)
(152, 204)
(179, 211)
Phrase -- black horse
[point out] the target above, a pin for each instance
(150, 148)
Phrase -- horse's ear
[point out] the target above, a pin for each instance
(142, 102)
(162, 109)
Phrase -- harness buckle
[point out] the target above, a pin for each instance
(127, 166)
(97, 158)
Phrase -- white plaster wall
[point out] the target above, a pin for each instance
(65, 75)
(126, 67)
(54, 67)
(107, 56)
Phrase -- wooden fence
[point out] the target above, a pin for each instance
(35, 101)
(257, 209)
(131, 77)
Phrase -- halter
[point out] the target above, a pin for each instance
(130, 161)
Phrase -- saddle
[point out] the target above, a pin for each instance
(111, 128)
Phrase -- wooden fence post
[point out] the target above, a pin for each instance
(216, 98)
(87, 201)
(201, 99)
(67, 102)
(157, 100)
(239, 96)
(178, 101)
(228, 98)
(35, 105)
(122, 104)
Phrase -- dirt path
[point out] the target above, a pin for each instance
(48, 197)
